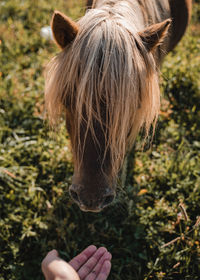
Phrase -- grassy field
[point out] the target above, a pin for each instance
(36, 213)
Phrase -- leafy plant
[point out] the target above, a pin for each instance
(145, 228)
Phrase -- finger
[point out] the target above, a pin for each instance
(105, 271)
(91, 263)
(49, 257)
(79, 260)
(96, 270)
(53, 253)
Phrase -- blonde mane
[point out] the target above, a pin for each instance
(107, 71)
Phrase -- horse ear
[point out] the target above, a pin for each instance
(64, 29)
(154, 35)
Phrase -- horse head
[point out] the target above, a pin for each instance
(105, 79)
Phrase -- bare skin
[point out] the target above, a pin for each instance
(90, 264)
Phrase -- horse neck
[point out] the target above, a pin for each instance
(146, 11)
(129, 9)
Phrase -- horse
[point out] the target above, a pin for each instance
(106, 82)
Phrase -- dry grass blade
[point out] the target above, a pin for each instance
(171, 242)
(197, 222)
(183, 211)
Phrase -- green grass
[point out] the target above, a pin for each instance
(36, 213)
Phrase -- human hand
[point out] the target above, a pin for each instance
(91, 264)
(54, 268)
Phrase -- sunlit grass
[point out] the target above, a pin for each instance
(36, 213)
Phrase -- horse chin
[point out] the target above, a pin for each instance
(82, 208)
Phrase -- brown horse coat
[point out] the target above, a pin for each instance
(180, 11)
(106, 80)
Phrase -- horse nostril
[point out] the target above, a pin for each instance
(74, 195)
(108, 199)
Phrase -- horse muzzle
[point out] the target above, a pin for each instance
(91, 201)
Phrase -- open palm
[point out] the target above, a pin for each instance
(90, 264)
